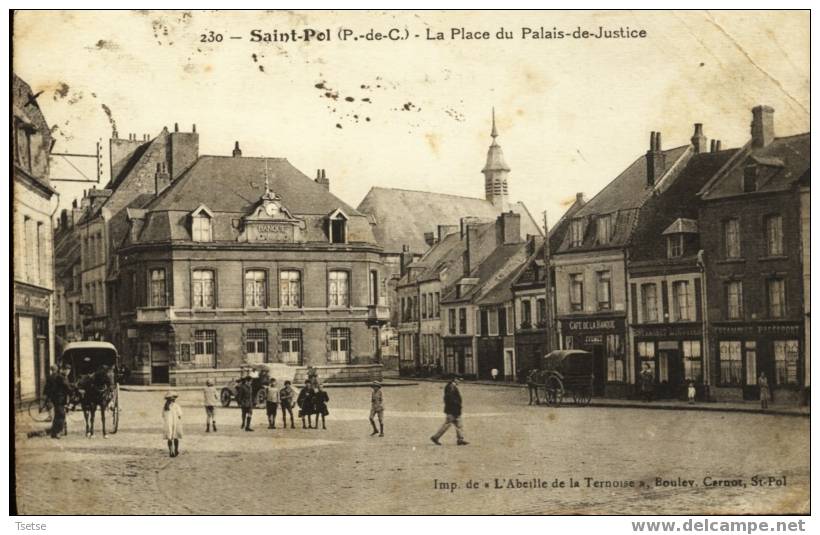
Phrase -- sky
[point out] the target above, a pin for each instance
(415, 113)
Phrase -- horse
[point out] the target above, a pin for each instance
(96, 390)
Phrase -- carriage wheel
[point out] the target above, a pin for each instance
(40, 412)
(225, 397)
(555, 391)
(582, 396)
(115, 409)
(260, 399)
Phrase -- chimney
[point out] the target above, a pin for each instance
(655, 159)
(579, 198)
(237, 152)
(444, 230)
(715, 147)
(321, 178)
(698, 139)
(64, 219)
(161, 179)
(184, 151)
(508, 228)
(193, 128)
(762, 126)
(405, 259)
(430, 238)
(176, 127)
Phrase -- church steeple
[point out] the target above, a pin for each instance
(495, 173)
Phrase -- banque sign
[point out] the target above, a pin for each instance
(609, 324)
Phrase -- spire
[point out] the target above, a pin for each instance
(269, 195)
(495, 172)
(494, 133)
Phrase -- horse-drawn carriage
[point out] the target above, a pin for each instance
(566, 372)
(94, 379)
(260, 375)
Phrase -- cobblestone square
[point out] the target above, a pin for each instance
(517, 459)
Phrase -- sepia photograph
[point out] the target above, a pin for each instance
(453, 262)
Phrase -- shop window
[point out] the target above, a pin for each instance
(256, 346)
(157, 296)
(646, 354)
(340, 345)
(576, 292)
(774, 235)
(290, 289)
(786, 354)
(649, 302)
(681, 302)
(731, 238)
(468, 361)
(255, 288)
(338, 288)
(604, 291)
(616, 371)
(776, 290)
(692, 361)
(203, 288)
(291, 346)
(205, 349)
(751, 362)
(734, 300)
(730, 363)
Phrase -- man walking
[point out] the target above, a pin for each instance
(452, 410)
(377, 408)
(58, 393)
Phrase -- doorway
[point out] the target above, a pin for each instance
(670, 374)
(599, 369)
(159, 362)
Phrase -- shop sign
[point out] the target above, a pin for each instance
(667, 331)
(24, 300)
(599, 325)
(779, 329)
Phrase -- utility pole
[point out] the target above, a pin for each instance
(547, 287)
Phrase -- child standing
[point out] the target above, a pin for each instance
(320, 399)
(286, 401)
(211, 398)
(172, 418)
(377, 408)
(691, 392)
(272, 400)
(305, 402)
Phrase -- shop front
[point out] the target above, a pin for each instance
(674, 353)
(458, 356)
(605, 338)
(745, 351)
(31, 361)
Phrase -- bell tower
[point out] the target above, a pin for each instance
(495, 174)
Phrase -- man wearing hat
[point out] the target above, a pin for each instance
(452, 410)
(58, 393)
(377, 408)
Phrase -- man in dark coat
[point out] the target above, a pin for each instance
(245, 397)
(57, 392)
(452, 411)
(647, 382)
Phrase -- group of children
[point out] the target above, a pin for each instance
(312, 400)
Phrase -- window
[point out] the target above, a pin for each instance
(340, 345)
(451, 317)
(777, 297)
(292, 346)
(290, 289)
(541, 312)
(203, 288)
(576, 291)
(604, 232)
(750, 178)
(731, 238)
(510, 320)
(674, 245)
(649, 302)
(493, 317)
(680, 301)
(526, 314)
(374, 287)
(785, 362)
(338, 288)
(604, 299)
(424, 306)
(39, 263)
(751, 363)
(646, 353)
(338, 228)
(576, 232)
(462, 321)
(256, 346)
(255, 288)
(616, 370)
(730, 363)
(484, 322)
(157, 296)
(436, 305)
(692, 364)
(201, 227)
(734, 300)
(774, 235)
(205, 348)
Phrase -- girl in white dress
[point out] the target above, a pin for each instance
(172, 420)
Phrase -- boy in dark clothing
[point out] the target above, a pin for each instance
(452, 410)
(305, 403)
(58, 393)
(245, 393)
(320, 400)
(286, 402)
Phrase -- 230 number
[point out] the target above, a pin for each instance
(210, 37)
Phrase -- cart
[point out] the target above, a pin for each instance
(566, 373)
(260, 374)
(87, 358)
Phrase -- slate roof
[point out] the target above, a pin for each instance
(682, 225)
(784, 161)
(492, 271)
(403, 216)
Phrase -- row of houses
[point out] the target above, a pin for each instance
(693, 261)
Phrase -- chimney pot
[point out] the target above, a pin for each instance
(176, 127)
(193, 128)
(698, 139)
(236, 150)
(579, 197)
(762, 126)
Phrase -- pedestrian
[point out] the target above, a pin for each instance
(494, 374)
(58, 393)
(210, 400)
(532, 386)
(452, 411)
(691, 391)
(765, 393)
(313, 375)
(172, 418)
(271, 402)
(320, 400)
(245, 395)
(286, 403)
(647, 382)
(305, 403)
(377, 408)
(48, 388)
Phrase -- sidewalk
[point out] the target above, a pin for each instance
(665, 404)
(165, 388)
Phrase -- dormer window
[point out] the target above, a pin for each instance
(576, 232)
(201, 224)
(750, 178)
(676, 236)
(674, 246)
(337, 227)
(604, 230)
